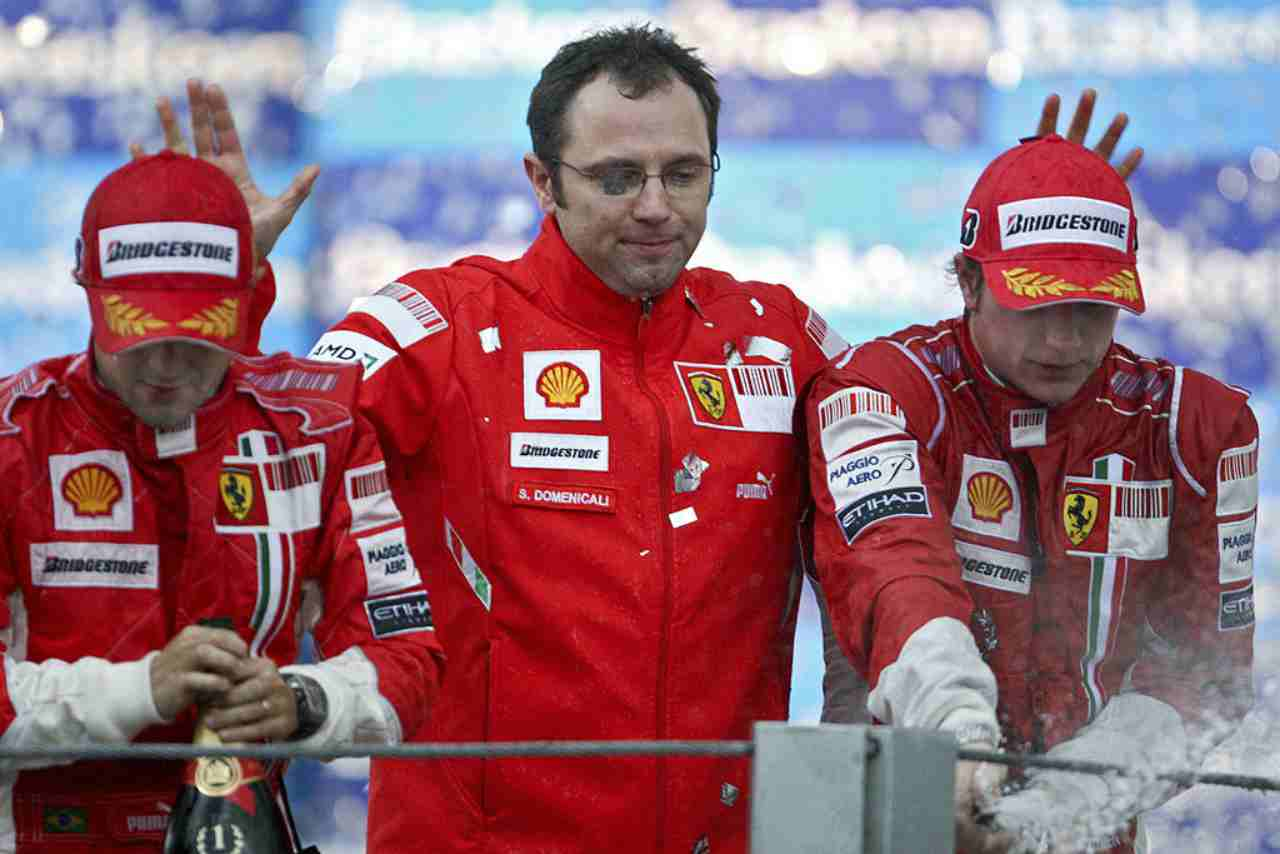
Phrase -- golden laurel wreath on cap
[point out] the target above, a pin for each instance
(217, 321)
(1035, 285)
(124, 318)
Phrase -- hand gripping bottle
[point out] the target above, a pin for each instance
(226, 804)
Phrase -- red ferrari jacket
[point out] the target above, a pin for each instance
(1100, 546)
(271, 507)
(607, 493)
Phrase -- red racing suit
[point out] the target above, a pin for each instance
(1097, 547)
(270, 506)
(607, 492)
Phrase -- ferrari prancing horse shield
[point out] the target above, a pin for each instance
(1079, 513)
(709, 390)
(236, 488)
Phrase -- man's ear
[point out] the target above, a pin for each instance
(540, 179)
(969, 278)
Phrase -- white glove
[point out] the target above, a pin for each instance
(1067, 810)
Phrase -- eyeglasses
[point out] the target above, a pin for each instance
(687, 180)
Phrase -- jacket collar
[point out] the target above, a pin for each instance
(572, 290)
(106, 411)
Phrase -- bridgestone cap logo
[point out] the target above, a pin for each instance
(969, 227)
(1064, 219)
(168, 247)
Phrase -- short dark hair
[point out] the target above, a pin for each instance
(638, 58)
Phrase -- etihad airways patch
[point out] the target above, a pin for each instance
(752, 398)
(593, 499)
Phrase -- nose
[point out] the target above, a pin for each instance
(165, 359)
(652, 205)
(1062, 327)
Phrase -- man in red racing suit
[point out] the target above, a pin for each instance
(1013, 493)
(266, 503)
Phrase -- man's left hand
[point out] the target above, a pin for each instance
(260, 707)
(1079, 129)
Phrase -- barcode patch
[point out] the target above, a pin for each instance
(292, 379)
(858, 400)
(854, 416)
(1238, 480)
(1141, 501)
(292, 471)
(763, 381)
(366, 485)
(369, 494)
(416, 304)
(1235, 466)
(828, 340)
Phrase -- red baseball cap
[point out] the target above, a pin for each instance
(166, 251)
(1051, 221)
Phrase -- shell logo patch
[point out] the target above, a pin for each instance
(989, 496)
(708, 390)
(562, 385)
(92, 490)
(236, 488)
(1079, 514)
(988, 502)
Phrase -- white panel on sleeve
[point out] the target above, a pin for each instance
(399, 318)
(856, 415)
(939, 681)
(70, 704)
(358, 713)
(1238, 479)
(1235, 550)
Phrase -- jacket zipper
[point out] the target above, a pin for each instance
(664, 498)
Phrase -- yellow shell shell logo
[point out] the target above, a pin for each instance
(92, 489)
(562, 385)
(989, 496)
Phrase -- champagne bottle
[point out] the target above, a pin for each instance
(226, 804)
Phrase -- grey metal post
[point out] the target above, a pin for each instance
(806, 789)
(842, 789)
(910, 786)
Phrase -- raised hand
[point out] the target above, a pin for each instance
(213, 129)
(1079, 129)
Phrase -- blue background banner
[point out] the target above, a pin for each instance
(851, 134)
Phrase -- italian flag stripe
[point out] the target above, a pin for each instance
(1106, 588)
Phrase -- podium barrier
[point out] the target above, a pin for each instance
(817, 789)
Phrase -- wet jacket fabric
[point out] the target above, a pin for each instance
(607, 492)
(271, 507)
(1093, 548)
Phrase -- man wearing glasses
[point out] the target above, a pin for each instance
(596, 446)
